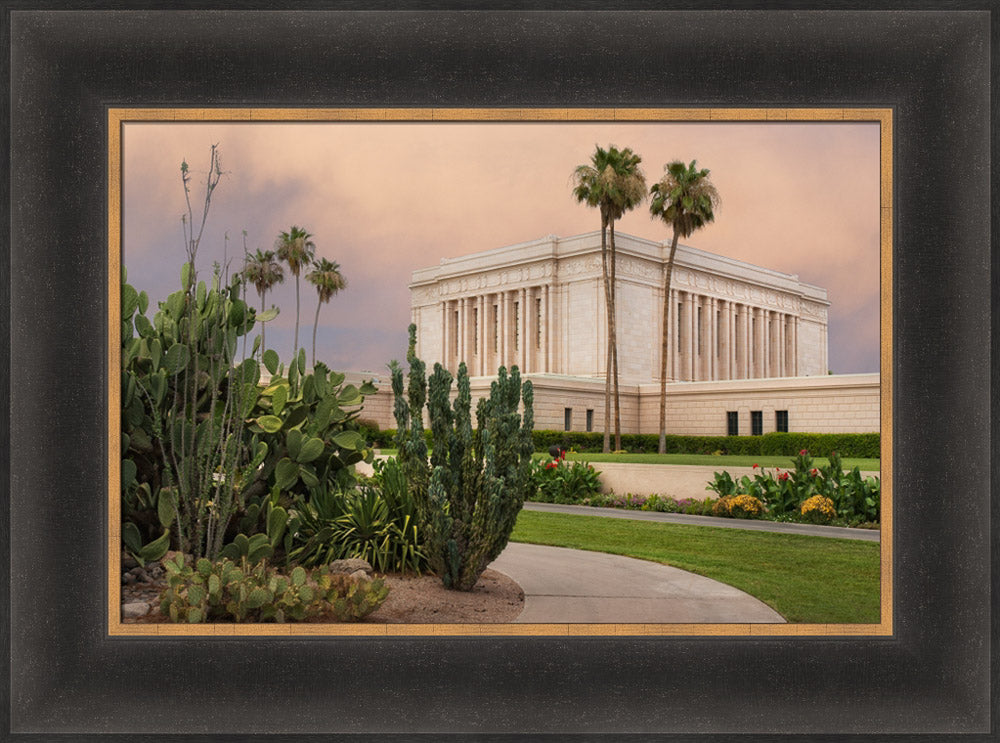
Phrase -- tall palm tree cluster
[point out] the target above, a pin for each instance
(297, 250)
(684, 199)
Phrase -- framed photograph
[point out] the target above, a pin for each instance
(91, 89)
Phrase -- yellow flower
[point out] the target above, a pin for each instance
(819, 508)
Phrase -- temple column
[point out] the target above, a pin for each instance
(461, 327)
(713, 338)
(523, 331)
(795, 346)
(501, 329)
(734, 371)
(782, 345)
(688, 331)
(737, 353)
(761, 343)
(724, 339)
(444, 333)
(673, 322)
(480, 335)
(547, 329)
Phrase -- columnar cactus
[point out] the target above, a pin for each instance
(473, 487)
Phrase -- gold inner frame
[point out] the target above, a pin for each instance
(117, 117)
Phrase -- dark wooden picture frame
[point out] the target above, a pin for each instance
(66, 675)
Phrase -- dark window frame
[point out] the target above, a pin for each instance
(781, 421)
(732, 423)
(756, 422)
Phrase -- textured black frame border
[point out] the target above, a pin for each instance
(933, 676)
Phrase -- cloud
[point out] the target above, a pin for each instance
(386, 198)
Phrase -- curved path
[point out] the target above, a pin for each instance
(566, 585)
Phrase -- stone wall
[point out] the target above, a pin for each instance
(842, 403)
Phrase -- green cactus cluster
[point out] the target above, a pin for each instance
(211, 449)
(474, 484)
(247, 592)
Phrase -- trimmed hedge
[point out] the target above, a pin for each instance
(865, 445)
(774, 444)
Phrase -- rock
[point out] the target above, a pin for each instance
(128, 579)
(360, 575)
(135, 609)
(143, 577)
(128, 561)
(351, 566)
(188, 559)
(136, 571)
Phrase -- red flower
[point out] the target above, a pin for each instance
(756, 466)
(552, 465)
(814, 472)
(783, 476)
(803, 452)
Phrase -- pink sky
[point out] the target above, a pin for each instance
(383, 199)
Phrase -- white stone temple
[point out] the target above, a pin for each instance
(748, 345)
(540, 306)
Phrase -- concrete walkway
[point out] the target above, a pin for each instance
(567, 586)
(835, 532)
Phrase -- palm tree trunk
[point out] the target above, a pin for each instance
(315, 323)
(295, 350)
(607, 304)
(666, 345)
(263, 326)
(613, 334)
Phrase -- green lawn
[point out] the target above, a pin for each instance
(805, 579)
(721, 461)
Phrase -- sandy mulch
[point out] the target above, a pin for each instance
(425, 600)
(412, 600)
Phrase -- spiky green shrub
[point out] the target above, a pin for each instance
(361, 522)
(247, 592)
(471, 490)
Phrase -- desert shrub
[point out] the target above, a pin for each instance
(247, 592)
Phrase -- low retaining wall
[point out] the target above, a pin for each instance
(676, 481)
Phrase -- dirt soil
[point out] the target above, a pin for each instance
(412, 600)
(423, 600)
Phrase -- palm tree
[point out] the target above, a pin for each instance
(614, 184)
(328, 280)
(685, 199)
(263, 271)
(295, 248)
